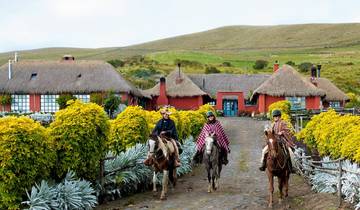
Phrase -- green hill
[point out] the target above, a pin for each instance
(335, 46)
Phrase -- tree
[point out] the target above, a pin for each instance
(260, 64)
(305, 67)
(211, 70)
(111, 103)
(63, 99)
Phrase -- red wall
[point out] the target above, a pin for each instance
(186, 103)
(240, 97)
(265, 101)
(35, 103)
(312, 102)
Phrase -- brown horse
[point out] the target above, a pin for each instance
(162, 159)
(277, 165)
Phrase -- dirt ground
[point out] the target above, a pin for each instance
(242, 185)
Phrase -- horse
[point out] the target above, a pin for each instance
(213, 164)
(162, 159)
(277, 165)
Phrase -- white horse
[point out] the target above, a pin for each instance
(212, 162)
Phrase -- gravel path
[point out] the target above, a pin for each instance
(242, 185)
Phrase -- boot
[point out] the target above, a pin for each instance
(179, 147)
(291, 168)
(263, 164)
(148, 162)
(177, 162)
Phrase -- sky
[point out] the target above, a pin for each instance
(30, 24)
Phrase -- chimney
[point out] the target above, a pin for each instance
(10, 69)
(313, 71)
(16, 59)
(162, 99)
(178, 78)
(276, 66)
(203, 83)
(318, 70)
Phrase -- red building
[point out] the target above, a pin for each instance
(177, 90)
(35, 85)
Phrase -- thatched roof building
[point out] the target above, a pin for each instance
(178, 84)
(333, 93)
(288, 82)
(213, 83)
(55, 77)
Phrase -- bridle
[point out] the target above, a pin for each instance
(275, 147)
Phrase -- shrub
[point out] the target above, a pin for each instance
(334, 135)
(194, 64)
(354, 101)
(80, 132)
(226, 64)
(205, 108)
(63, 99)
(116, 63)
(26, 156)
(97, 98)
(111, 103)
(211, 70)
(305, 67)
(129, 127)
(260, 64)
(290, 63)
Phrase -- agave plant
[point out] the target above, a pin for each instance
(69, 194)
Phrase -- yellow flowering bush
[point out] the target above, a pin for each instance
(205, 108)
(26, 157)
(334, 135)
(80, 133)
(129, 127)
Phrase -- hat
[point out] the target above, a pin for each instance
(165, 111)
(209, 113)
(276, 113)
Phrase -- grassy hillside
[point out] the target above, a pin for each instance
(335, 46)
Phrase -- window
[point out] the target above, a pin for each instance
(20, 103)
(334, 104)
(297, 103)
(250, 103)
(48, 103)
(83, 98)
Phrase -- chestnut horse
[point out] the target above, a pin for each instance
(277, 165)
(162, 159)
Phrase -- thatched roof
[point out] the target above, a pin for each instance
(286, 81)
(178, 84)
(213, 83)
(333, 93)
(54, 77)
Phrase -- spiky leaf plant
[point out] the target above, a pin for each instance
(69, 194)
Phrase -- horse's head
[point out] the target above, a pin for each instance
(271, 141)
(209, 142)
(153, 143)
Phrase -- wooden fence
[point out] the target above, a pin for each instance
(307, 168)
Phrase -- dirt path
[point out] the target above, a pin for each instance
(242, 185)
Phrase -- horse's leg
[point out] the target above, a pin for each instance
(287, 184)
(281, 185)
(154, 182)
(164, 185)
(271, 188)
(209, 179)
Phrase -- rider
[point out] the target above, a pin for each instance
(281, 129)
(165, 127)
(213, 126)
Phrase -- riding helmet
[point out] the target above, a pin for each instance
(276, 113)
(209, 113)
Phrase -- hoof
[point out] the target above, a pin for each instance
(163, 198)
(270, 205)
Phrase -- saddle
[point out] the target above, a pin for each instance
(166, 145)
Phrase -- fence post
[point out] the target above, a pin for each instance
(339, 183)
(301, 122)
